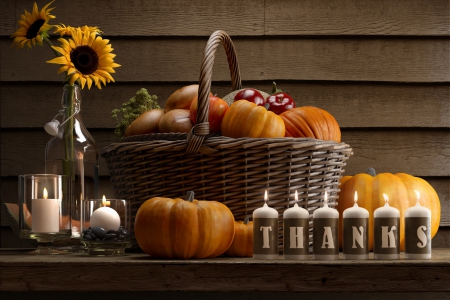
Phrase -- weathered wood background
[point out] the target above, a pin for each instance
(380, 67)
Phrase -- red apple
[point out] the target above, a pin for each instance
(251, 95)
(280, 102)
(217, 109)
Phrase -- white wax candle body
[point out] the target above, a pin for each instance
(358, 213)
(355, 212)
(296, 212)
(326, 212)
(45, 215)
(265, 212)
(386, 211)
(106, 218)
(418, 211)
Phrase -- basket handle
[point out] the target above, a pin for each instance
(198, 133)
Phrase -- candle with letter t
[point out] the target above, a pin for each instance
(355, 231)
(296, 232)
(325, 232)
(386, 226)
(265, 232)
(418, 231)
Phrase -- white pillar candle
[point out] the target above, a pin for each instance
(265, 232)
(417, 231)
(296, 232)
(105, 217)
(45, 214)
(325, 232)
(355, 232)
(386, 243)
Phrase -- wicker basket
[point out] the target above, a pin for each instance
(235, 172)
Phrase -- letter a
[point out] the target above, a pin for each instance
(265, 230)
(387, 237)
(328, 238)
(296, 237)
(358, 236)
(421, 234)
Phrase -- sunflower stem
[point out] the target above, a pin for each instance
(48, 42)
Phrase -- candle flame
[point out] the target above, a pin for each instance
(266, 198)
(104, 202)
(45, 193)
(355, 199)
(296, 196)
(386, 198)
(417, 196)
(325, 199)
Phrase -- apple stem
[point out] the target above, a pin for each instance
(275, 89)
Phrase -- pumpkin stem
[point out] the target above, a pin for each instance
(275, 89)
(246, 220)
(189, 196)
(371, 171)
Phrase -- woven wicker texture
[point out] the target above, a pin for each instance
(235, 172)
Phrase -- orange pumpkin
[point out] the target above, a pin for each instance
(398, 187)
(246, 119)
(178, 228)
(242, 245)
(312, 122)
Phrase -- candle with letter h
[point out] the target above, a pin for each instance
(265, 232)
(296, 232)
(325, 232)
(386, 240)
(418, 231)
(355, 232)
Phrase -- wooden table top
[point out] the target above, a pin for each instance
(140, 272)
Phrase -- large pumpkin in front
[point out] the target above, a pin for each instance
(398, 187)
(311, 122)
(178, 228)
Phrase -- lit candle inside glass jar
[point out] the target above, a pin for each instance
(105, 217)
(45, 214)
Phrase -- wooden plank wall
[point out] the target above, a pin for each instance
(380, 67)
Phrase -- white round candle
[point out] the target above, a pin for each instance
(106, 218)
(418, 231)
(265, 232)
(294, 238)
(355, 212)
(386, 212)
(325, 233)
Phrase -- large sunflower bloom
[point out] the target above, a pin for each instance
(33, 27)
(67, 30)
(86, 57)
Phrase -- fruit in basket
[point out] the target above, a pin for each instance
(250, 94)
(246, 119)
(279, 101)
(176, 120)
(184, 228)
(311, 122)
(242, 245)
(398, 187)
(181, 98)
(147, 122)
(217, 109)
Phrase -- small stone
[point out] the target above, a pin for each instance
(125, 232)
(110, 236)
(87, 237)
(98, 231)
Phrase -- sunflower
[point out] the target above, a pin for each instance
(86, 57)
(63, 30)
(33, 27)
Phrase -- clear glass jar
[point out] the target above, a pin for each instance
(72, 151)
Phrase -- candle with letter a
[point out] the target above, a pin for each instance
(355, 232)
(296, 232)
(265, 232)
(418, 231)
(386, 240)
(325, 232)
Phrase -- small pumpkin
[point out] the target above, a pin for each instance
(246, 119)
(242, 245)
(311, 122)
(398, 187)
(179, 228)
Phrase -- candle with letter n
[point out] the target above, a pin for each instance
(355, 232)
(386, 240)
(296, 232)
(325, 232)
(265, 232)
(418, 231)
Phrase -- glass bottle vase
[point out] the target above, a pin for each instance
(72, 151)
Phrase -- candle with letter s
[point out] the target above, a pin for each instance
(355, 232)
(45, 214)
(325, 232)
(386, 241)
(296, 232)
(265, 232)
(417, 231)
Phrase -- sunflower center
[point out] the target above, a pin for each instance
(33, 30)
(85, 59)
